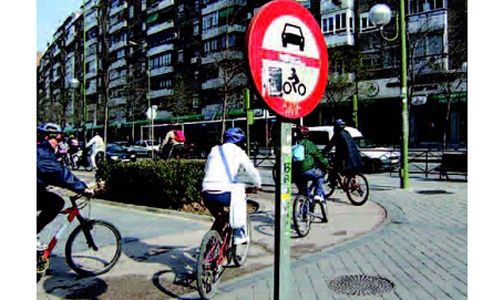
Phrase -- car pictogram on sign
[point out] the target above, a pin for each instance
(292, 35)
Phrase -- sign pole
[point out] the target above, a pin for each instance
(282, 267)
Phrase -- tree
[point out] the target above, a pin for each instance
(104, 60)
(180, 102)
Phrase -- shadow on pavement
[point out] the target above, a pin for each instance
(180, 260)
(64, 283)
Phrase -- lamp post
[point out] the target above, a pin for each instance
(380, 15)
(73, 84)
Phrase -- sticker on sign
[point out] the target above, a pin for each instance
(287, 58)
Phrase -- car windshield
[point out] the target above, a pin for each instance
(291, 29)
(115, 148)
(319, 137)
(364, 143)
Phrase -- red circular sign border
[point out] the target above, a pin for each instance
(255, 36)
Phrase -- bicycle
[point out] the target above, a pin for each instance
(92, 248)
(354, 185)
(217, 250)
(303, 212)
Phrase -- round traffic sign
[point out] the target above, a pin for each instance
(287, 57)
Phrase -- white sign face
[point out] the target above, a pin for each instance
(290, 70)
(151, 112)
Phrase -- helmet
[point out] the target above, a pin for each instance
(339, 122)
(49, 128)
(304, 130)
(234, 135)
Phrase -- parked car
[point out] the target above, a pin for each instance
(144, 148)
(375, 158)
(116, 152)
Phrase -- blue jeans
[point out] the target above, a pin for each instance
(317, 177)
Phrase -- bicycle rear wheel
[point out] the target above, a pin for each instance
(93, 248)
(301, 216)
(357, 189)
(240, 252)
(207, 273)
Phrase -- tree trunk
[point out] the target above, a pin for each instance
(446, 121)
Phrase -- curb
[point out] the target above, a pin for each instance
(156, 210)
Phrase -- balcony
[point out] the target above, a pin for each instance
(221, 4)
(160, 27)
(91, 89)
(89, 42)
(117, 9)
(57, 51)
(117, 82)
(117, 101)
(339, 39)
(90, 22)
(91, 73)
(219, 56)
(162, 70)
(90, 57)
(327, 6)
(117, 64)
(117, 26)
(160, 49)
(118, 46)
(211, 84)
(160, 5)
(69, 39)
(160, 93)
(427, 21)
(221, 30)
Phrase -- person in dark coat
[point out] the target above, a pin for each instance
(347, 156)
(50, 172)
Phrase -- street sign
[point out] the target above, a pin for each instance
(151, 112)
(287, 57)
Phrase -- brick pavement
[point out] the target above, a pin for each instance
(421, 248)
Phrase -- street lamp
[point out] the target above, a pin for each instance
(73, 84)
(380, 15)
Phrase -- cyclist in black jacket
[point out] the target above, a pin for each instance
(50, 172)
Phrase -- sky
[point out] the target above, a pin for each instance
(50, 15)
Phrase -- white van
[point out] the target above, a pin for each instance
(375, 158)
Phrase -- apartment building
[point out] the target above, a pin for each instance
(187, 57)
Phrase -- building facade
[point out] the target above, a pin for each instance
(187, 58)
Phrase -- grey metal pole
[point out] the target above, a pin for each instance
(283, 196)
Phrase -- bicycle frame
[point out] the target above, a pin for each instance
(72, 213)
(223, 251)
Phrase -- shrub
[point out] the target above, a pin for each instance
(173, 184)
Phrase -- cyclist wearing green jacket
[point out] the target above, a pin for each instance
(311, 167)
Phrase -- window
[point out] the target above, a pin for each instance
(330, 24)
(196, 28)
(120, 53)
(420, 6)
(365, 24)
(336, 23)
(210, 21)
(160, 61)
(180, 56)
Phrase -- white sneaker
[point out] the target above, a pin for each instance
(239, 236)
(40, 246)
(318, 198)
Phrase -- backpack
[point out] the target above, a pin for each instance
(179, 136)
(298, 153)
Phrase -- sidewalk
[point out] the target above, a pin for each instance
(420, 252)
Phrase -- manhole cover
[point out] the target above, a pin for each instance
(360, 285)
(432, 192)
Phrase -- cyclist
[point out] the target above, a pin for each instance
(50, 172)
(97, 145)
(347, 156)
(220, 184)
(73, 144)
(311, 167)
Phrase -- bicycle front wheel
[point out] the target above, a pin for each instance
(329, 185)
(93, 248)
(207, 273)
(357, 189)
(301, 216)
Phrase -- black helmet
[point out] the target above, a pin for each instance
(339, 123)
(49, 128)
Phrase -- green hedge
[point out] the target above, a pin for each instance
(172, 184)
